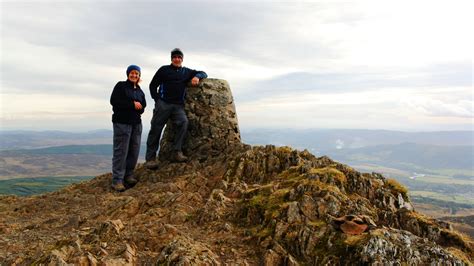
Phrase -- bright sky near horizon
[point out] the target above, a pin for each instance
(397, 65)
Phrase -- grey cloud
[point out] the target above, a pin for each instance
(98, 38)
(249, 30)
(444, 108)
(437, 76)
(100, 35)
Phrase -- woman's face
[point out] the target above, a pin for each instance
(134, 76)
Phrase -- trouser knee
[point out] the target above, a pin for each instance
(183, 122)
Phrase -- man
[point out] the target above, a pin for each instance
(169, 104)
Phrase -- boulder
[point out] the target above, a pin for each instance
(213, 127)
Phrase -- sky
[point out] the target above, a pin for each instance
(395, 65)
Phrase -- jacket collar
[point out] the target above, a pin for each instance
(131, 83)
(172, 66)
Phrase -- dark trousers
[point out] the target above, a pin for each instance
(126, 150)
(161, 114)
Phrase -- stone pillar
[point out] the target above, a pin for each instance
(213, 125)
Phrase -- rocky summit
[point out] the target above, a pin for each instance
(229, 204)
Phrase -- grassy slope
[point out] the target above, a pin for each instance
(38, 185)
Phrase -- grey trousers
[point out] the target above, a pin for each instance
(161, 114)
(127, 140)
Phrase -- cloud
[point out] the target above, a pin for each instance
(391, 108)
(438, 108)
(349, 59)
(447, 102)
(426, 78)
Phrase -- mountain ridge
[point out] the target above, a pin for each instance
(231, 203)
(284, 200)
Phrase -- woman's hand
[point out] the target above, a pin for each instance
(138, 105)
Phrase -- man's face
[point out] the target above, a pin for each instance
(177, 60)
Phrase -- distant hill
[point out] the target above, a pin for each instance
(69, 160)
(98, 149)
(405, 154)
(319, 139)
(24, 139)
(322, 140)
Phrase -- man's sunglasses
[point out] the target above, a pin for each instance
(178, 56)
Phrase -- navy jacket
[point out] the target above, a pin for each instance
(122, 99)
(172, 81)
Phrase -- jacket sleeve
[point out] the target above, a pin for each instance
(119, 99)
(155, 82)
(199, 74)
(143, 102)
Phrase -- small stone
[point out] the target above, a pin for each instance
(293, 212)
(271, 258)
(130, 252)
(92, 260)
(170, 229)
(103, 252)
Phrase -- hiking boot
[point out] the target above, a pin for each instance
(151, 164)
(179, 157)
(119, 187)
(131, 180)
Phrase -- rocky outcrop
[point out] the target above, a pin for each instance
(213, 127)
(232, 204)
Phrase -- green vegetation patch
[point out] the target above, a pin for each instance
(354, 240)
(270, 204)
(466, 202)
(329, 172)
(394, 185)
(29, 184)
(38, 185)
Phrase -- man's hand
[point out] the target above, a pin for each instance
(138, 105)
(195, 81)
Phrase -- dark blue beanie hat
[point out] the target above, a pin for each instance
(133, 67)
(176, 51)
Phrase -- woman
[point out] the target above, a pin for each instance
(128, 102)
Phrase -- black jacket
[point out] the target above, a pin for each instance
(122, 99)
(172, 81)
